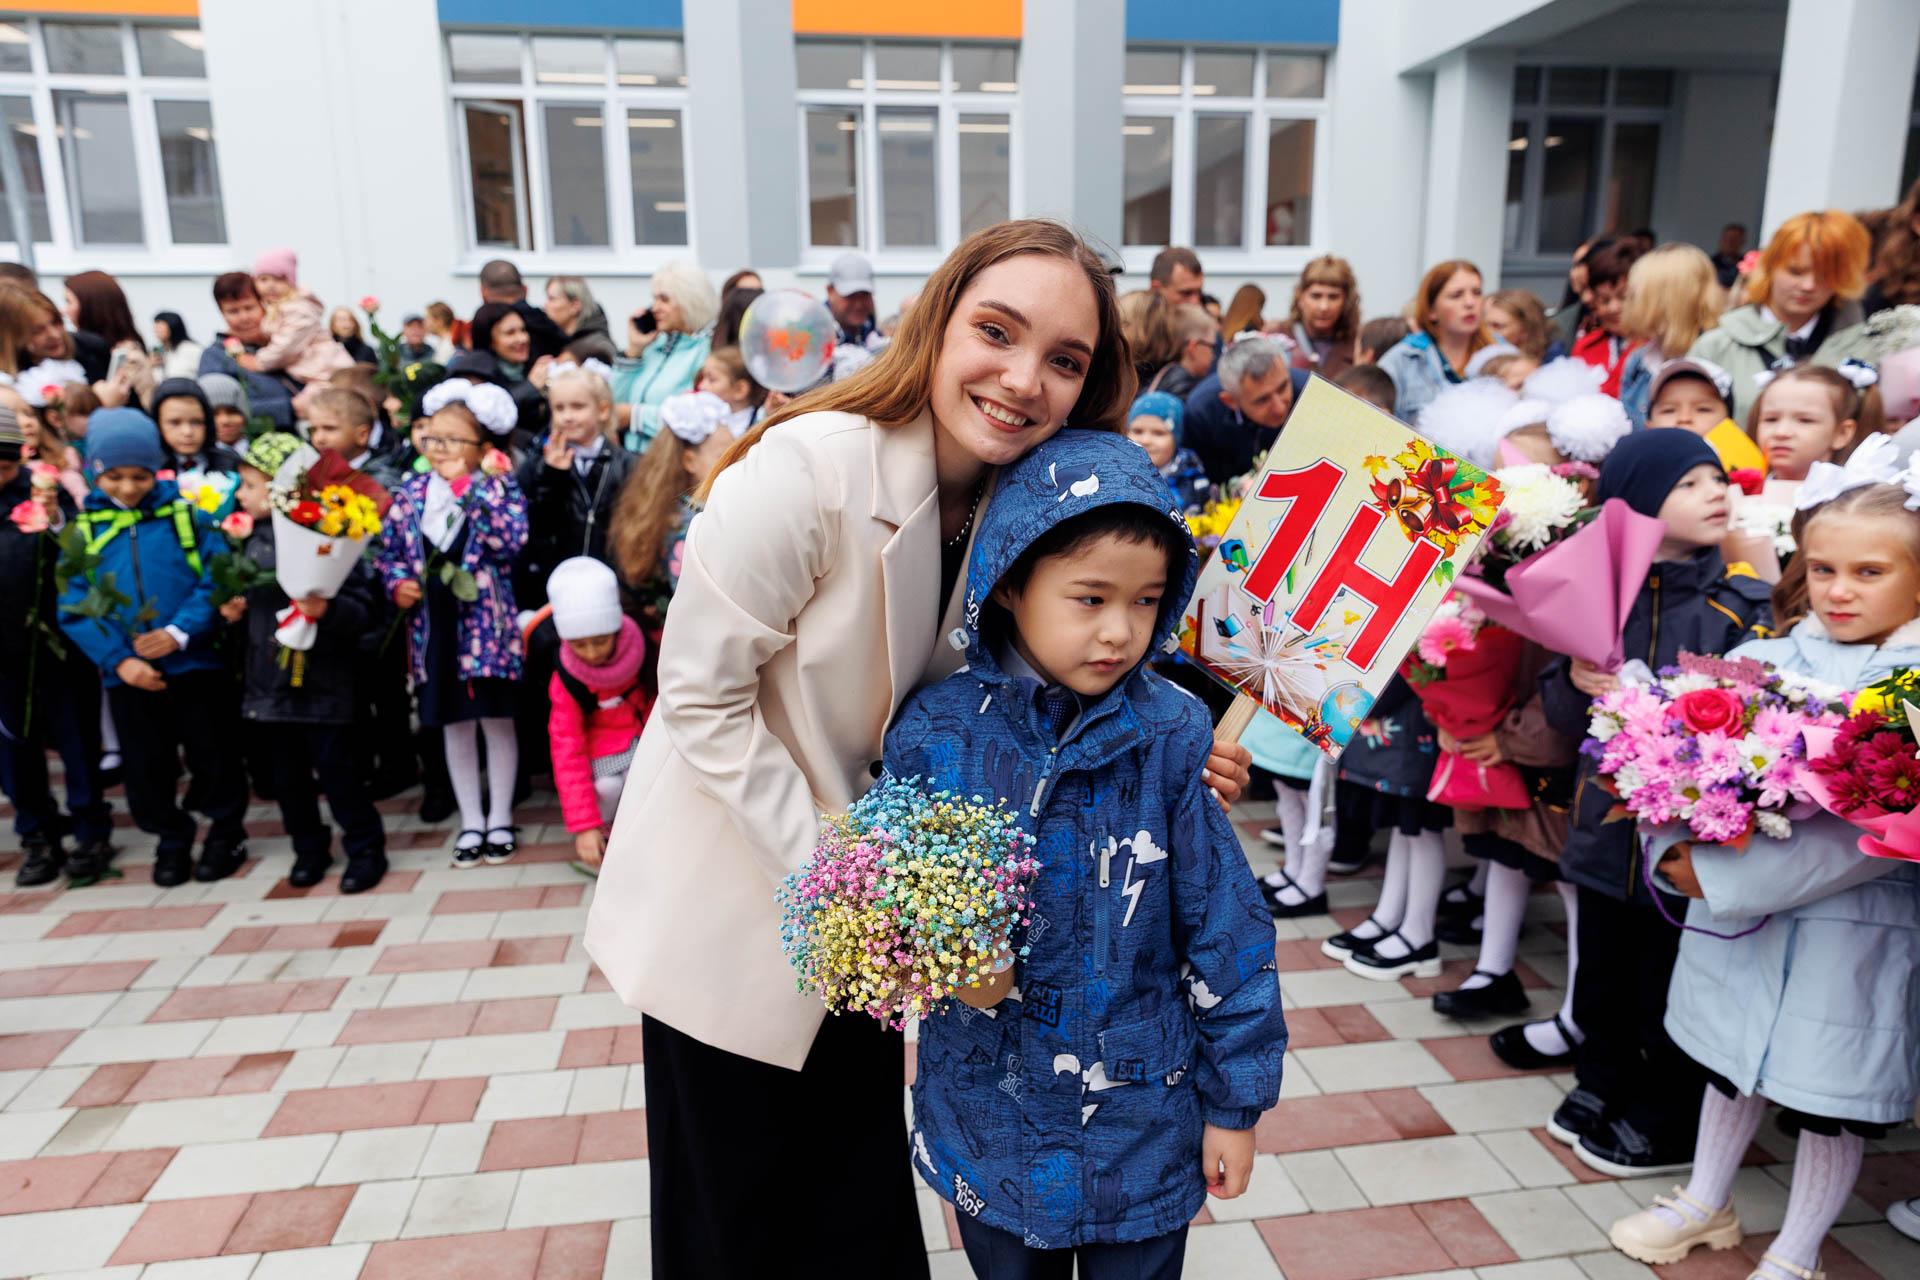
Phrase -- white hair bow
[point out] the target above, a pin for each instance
(492, 407)
(598, 368)
(1910, 481)
(1875, 461)
(1861, 374)
(693, 415)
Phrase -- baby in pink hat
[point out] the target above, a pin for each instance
(300, 346)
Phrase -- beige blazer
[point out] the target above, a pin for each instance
(807, 611)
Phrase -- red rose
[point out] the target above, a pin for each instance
(1751, 482)
(1710, 710)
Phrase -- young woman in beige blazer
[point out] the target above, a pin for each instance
(817, 584)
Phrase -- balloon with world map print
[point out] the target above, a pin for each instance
(1343, 707)
(787, 340)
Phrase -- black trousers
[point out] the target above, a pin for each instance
(758, 1171)
(66, 717)
(197, 712)
(314, 759)
(1000, 1255)
(384, 710)
(1627, 952)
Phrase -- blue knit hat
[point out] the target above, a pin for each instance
(1644, 467)
(122, 438)
(1158, 404)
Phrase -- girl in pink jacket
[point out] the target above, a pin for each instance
(300, 344)
(598, 702)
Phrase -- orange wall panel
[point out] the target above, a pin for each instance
(978, 19)
(114, 8)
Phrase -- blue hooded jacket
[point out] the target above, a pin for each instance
(1148, 1004)
(149, 565)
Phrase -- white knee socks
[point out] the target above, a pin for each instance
(1422, 875)
(1727, 1126)
(608, 790)
(1546, 1037)
(1506, 907)
(503, 762)
(1306, 859)
(1392, 906)
(1824, 1171)
(463, 767)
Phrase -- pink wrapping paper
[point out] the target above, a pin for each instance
(1574, 596)
(1895, 836)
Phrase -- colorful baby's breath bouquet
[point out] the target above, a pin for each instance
(909, 896)
(325, 514)
(1716, 744)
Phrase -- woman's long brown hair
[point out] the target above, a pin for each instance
(897, 385)
(644, 511)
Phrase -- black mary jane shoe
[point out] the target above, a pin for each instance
(1280, 909)
(1342, 945)
(1420, 962)
(1503, 996)
(1511, 1046)
(497, 850)
(465, 856)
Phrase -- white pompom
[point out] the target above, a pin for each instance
(1527, 413)
(1559, 381)
(1585, 428)
(1465, 419)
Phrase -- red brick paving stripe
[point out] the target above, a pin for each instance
(129, 1178)
(1409, 1113)
(1464, 1233)
(249, 939)
(1471, 1058)
(108, 1084)
(461, 901)
(416, 1022)
(453, 1101)
(310, 996)
(1309, 1029)
(1564, 1154)
(544, 950)
(175, 1229)
(1301, 955)
(532, 1143)
(422, 957)
(614, 1135)
(626, 1045)
(392, 882)
(73, 979)
(1889, 1177)
(35, 1048)
(1358, 1244)
(362, 1106)
(593, 1047)
(1355, 1024)
(497, 1255)
(1314, 1124)
(48, 1183)
(256, 1072)
(302, 1219)
(358, 933)
(574, 1252)
(135, 920)
(523, 1013)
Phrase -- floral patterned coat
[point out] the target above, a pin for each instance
(496, 528)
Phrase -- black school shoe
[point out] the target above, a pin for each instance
(1503, 995)
(470, 855)
(1461, 931)
(436, 805)
(1511, 1046)
(1342, 945)
(1620, 1150)
(88, 863)
(363, 873)
(1281, 910)
(218, 861)
(1580, 1113)
(44, 861)
(497, 851)
(1421, 962)
(172, 867)
(308, 872)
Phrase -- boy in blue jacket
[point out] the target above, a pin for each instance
(1086, 1100)
(166, 686)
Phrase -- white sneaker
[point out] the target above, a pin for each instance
(1904, 1216)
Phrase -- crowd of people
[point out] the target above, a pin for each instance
(544, 473)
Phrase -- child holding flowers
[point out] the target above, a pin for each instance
(138, 602)
(445, 555)
(1635, 1108)
(1797, 976)
(1146, 980)
(304, 699)
(597, 703)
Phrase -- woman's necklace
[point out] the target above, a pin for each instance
(979, 488)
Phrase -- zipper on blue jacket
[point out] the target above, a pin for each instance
(1040, 787)
(1100, 910)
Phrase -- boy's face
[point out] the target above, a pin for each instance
(1696, 511)
(127, 486)
(328, 429)
(1609, 300)
(229, 425)
(1690, 404)
(1085, 620)
(1154, 435)
(252, 493)
(183, 425)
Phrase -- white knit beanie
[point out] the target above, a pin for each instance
(586, 599)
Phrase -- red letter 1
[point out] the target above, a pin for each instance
(1308, 490)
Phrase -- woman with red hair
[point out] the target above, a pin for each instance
(1801, 304)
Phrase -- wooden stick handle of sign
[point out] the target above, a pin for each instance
(1236, 718)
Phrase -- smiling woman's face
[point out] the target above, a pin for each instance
(1015, 356)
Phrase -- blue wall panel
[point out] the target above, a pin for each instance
(1294, 22)
(592, 15)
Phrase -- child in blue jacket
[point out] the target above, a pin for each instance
(1089, 1097)
(167, 687)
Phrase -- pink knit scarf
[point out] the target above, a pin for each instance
(618, 672)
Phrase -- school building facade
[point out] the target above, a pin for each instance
(398, 144)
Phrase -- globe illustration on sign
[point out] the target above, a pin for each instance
(1344, 707)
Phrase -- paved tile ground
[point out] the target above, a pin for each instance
(238, 1080)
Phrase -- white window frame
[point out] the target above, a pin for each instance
(1254, 255)
(65, 252)
(623, 256)
(1530, 259)
(948, 104)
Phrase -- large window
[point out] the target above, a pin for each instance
(574, 145)
(1582, 155)
(1218, 148)
(110, 123)
(908, 147)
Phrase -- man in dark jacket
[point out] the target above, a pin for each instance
(42, 674)
(1237, 411)
(500, 282)
(1637, 1107)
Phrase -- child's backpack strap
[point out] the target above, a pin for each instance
(183, 529)
(101, 527)
(588, 700)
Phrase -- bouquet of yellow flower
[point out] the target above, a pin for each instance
(325, 515)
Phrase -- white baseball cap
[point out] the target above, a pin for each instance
(851, 273)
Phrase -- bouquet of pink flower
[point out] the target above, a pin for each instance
(1716, 744)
